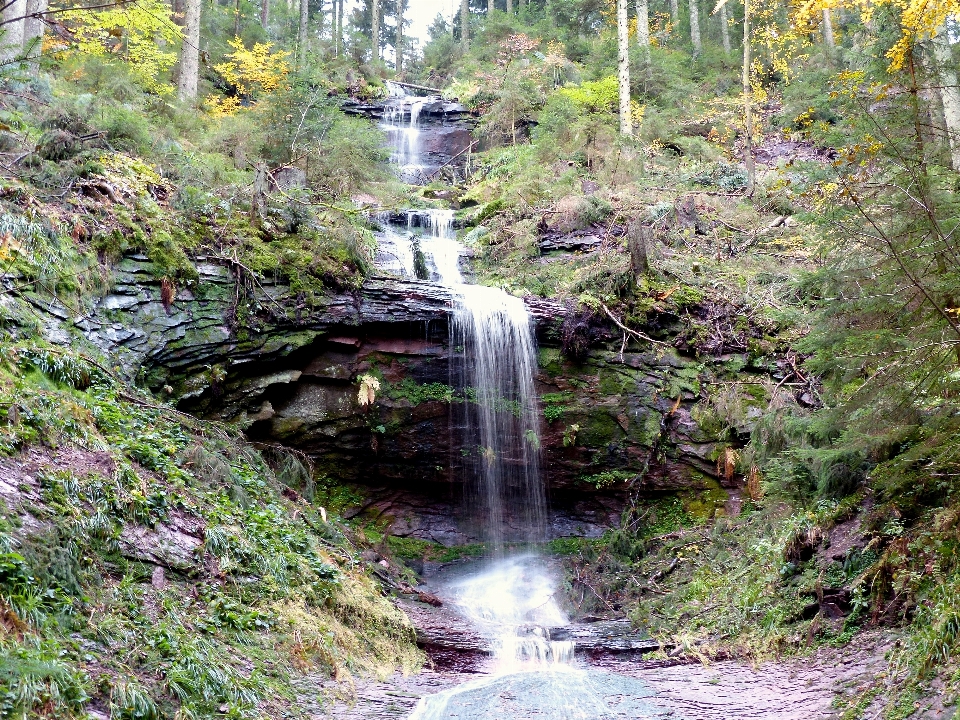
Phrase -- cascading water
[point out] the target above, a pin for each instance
(401, 122)
(510, 599)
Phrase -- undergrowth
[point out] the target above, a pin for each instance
(94, 611)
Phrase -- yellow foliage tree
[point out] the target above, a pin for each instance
(919, 19)
(254, 72)
(141, 34)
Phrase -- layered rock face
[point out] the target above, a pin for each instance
(612, 424)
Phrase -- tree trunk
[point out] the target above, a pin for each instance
(260, 188)
(375, 30)
(490, 7)
(190, 52)
(399, 48)
(33, 30)
(510, 7)
(302, 33)
(264, 12)
(643, 32)
(725, 29)
(236, 19)
(11, 43)
(465, 24)
(695, 29)
(339, 27)
(623, 67)
(639, 240)
(675, 12)
(748, 104)
(829, 44)
(949, 92)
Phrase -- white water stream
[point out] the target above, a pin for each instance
(511, 600)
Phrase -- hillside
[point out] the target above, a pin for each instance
(293, 323)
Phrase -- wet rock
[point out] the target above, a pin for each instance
(606, 636)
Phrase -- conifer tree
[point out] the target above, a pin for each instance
(302, 33)
(11, 43)
(33, 32)
(399, 40)
(724, 29)
(643, 33)
(949, 91)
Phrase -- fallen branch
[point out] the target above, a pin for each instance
(448, 162)
(417, 87)
(661, 574)
(635, 333)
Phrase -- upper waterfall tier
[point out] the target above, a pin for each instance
(425, 134)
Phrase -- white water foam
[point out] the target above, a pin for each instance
(513, 603)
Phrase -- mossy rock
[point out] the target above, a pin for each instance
(705, 504)
(549, 360)
(598, 428)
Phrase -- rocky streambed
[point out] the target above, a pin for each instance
(611, 676)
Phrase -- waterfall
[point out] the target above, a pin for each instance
(493, 362)
(401, 122)
(495, 356)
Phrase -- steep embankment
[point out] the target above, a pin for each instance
(155, 564)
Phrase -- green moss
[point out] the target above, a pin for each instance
(704, 504)
(567, 546)
(406, 548)
(417, 393)
(598, 429)
(608, 478)
(549, 360)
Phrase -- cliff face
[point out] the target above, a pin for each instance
(612, 424)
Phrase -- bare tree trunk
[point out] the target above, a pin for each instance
(949, 92)
(510, 7)
(302, 33)
(829, 44)
(339, 27)
(623, 68)
(828, 29)
(639, 240)
(748, 104)
(399, 48)
(490, 7)
(236, 19)
(33, 30)
(465, 24)
(643, 33)
(190, 52)
(675, 12)
(725, 29)
(11, 43)
(264, 12)
(695, 29)
(375, 30)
